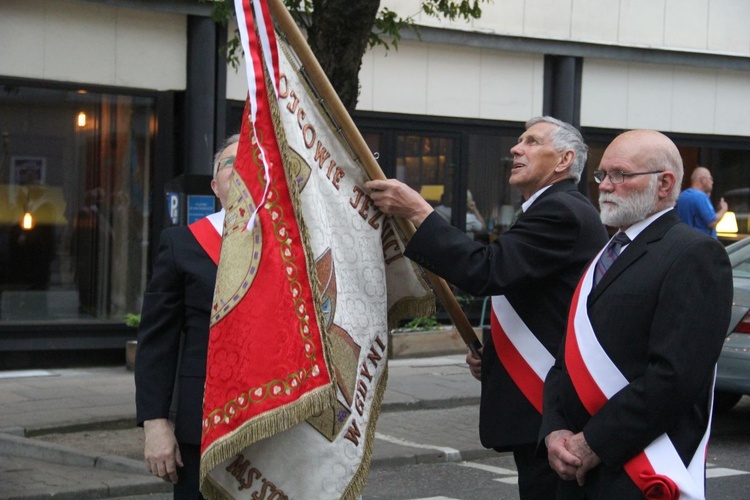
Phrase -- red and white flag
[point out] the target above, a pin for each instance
(311, 275)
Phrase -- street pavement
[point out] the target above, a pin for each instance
(429, 414)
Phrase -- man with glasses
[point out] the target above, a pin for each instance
(694, 204)
(627, 405)
(532, 269)
(173, 340)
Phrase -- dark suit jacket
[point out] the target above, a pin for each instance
(536, 265)
(173, 336)
(661, 313)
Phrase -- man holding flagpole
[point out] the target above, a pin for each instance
(627, 405)
(532, 269)
(176, 309)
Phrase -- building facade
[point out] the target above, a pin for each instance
(108, 105)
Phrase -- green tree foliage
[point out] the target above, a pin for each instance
(340, 31)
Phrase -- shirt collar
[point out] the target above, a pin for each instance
(217, 220)
(633, 231)
(526, 204)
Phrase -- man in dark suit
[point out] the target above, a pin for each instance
(627, 405)
(173, 340)
(535, 265)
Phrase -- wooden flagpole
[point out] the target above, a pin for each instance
(358, 144)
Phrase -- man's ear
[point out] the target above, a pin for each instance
(566, 161)
(215, 187)
(667, 181)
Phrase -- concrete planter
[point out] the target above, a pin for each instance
(130, 348)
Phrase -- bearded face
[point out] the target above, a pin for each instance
(636, 205)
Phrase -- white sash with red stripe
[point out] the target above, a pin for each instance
(525, 359)
(658, 470)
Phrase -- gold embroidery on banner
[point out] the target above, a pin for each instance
(298, 168)
(240, 250)
(344, 353)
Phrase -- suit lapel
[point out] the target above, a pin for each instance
(634, 251)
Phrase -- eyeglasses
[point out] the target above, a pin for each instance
(618, 176)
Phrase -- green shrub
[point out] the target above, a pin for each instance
(132, 320)
(422, 323)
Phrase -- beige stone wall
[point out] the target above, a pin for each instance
(97, 44)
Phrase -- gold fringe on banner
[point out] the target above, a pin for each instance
(260, 427)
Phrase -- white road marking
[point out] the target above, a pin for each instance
(507, 480)
(456, 359)
(451, 454)
(25, 373)
(513, 479)
(489, 468)
(723, 472)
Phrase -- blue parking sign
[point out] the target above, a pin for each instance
(173, 207)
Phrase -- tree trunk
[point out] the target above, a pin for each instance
(339, 33)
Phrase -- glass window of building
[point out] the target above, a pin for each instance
(489, 167)
(75, 168)
(464, 175)
(428, 165)
(730, 169)
(471, 162)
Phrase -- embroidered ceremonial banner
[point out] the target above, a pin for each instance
(658, 470)
(311, 277)
(525, 359)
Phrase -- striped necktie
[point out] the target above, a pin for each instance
(609, 255)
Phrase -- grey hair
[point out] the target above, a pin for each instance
(566, 137)
(227, 142)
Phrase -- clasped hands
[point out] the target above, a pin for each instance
(570, 455)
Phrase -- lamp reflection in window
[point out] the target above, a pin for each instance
(81, 119)
(27, 223)
(727, 224)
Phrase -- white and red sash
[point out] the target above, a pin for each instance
(658, 470)
(207, 231)
(525, 359)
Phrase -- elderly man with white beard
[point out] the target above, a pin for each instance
(627, 405)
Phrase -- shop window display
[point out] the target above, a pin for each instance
(74, 177)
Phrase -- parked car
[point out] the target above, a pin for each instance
(733, 377)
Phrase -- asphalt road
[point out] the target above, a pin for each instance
(494, 478)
